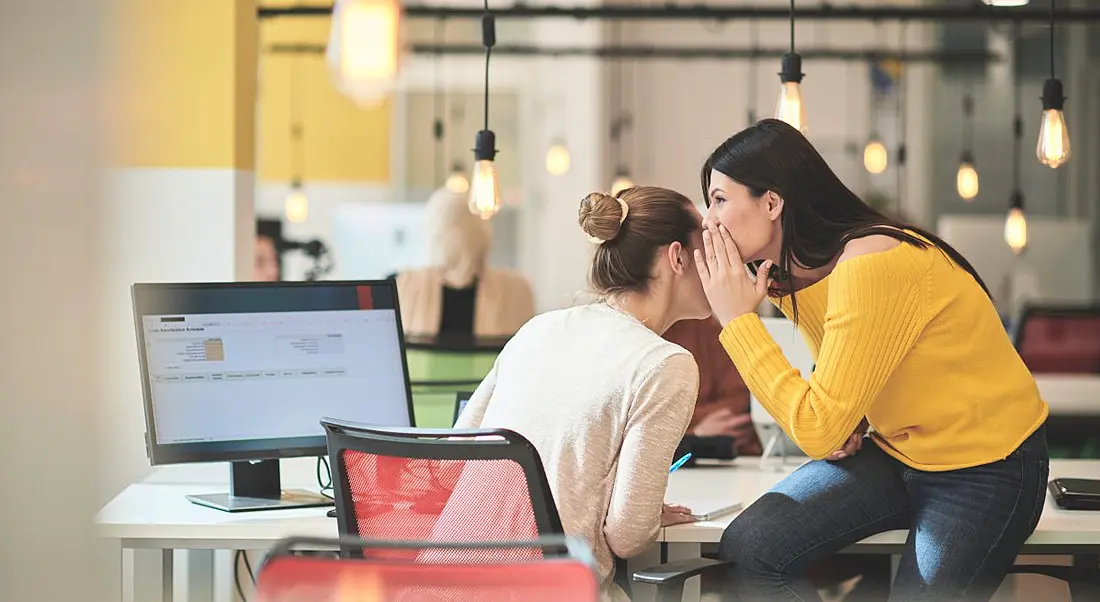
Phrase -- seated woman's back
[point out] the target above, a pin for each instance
(602, 397)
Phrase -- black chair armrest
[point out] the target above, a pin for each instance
(679, 571)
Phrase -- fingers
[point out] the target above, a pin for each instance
(763, 282)
(741, 420)
(853, 444)
(733, 254)
(677, 509)
(710, 249)
(701, 265)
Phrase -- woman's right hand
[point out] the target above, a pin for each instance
(853, 444)
(672, 514)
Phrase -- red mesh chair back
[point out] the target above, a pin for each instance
(552, 570)
(439, 486)
(1060, 340)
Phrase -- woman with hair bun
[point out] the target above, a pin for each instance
(602, 397)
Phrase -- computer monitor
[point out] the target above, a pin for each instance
(244, 372)
(461, 399)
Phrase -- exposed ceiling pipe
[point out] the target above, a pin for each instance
(698, 12)
(680, 53)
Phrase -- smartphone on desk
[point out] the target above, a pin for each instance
(1076, 494)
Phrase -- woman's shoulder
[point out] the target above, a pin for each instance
(886, 257)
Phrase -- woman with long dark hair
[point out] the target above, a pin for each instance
(907, 342)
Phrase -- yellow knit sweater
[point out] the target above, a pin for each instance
(907, 339)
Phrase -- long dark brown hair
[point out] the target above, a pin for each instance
(820, 213)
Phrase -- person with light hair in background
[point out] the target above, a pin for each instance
(458, 293)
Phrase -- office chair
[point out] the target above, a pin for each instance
(436, 486)
(1063, 340)
(556, 568)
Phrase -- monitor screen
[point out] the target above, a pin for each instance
(245, 371)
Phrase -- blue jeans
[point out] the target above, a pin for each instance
(965, 526)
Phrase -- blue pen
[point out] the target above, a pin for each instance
(680, 462)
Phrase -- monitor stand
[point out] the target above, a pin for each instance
(258, 486)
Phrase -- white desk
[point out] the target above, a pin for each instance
(743, 480)
(154, 515)
(1070, 394)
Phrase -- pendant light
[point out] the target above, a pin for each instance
(557, 154)
(622, 181)
(364, 48)
(622, 121)
(296, 205)
(1053, 148)
(875, 157)
(557, 158)
(484, 185)
(789, 107)
(1016, 221)
(966, 180)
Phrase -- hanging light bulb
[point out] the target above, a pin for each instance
(789, 108)
(875, 156)
(1053, 148)
(297, 204)
(966, 180)
(557, 159)
(1016, 224)
(457, 182)
(484, 186)
(364, 48)
(621, 182)
(1006, 2)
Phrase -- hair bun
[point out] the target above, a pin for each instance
(601, 216)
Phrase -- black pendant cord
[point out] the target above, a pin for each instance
(616, 101)
(439, 104)
(902, 121)
(1017, 119)
(488, 36)
(792, 26)
(968, 124)
(1051, 39)
(297, 128)
(750, 89)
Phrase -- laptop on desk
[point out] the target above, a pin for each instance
(461, 399)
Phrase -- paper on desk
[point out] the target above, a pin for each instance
(706, 509)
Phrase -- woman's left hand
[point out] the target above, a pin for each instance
(726, 282)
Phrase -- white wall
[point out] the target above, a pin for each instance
(51, 72)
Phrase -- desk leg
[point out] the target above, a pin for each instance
(1079, 590)
(114, 567)
(152, 575)
(686, 551)
(200, 576)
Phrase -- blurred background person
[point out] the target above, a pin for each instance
(721, 424)
(268, 266)
(458, 293)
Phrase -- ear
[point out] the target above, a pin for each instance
(678, 258)
(774, 205)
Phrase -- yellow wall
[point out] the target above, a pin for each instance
(183, 84)
(342, 142)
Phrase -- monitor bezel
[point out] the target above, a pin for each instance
(163, 454)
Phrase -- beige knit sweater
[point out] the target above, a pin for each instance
(605, 401)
